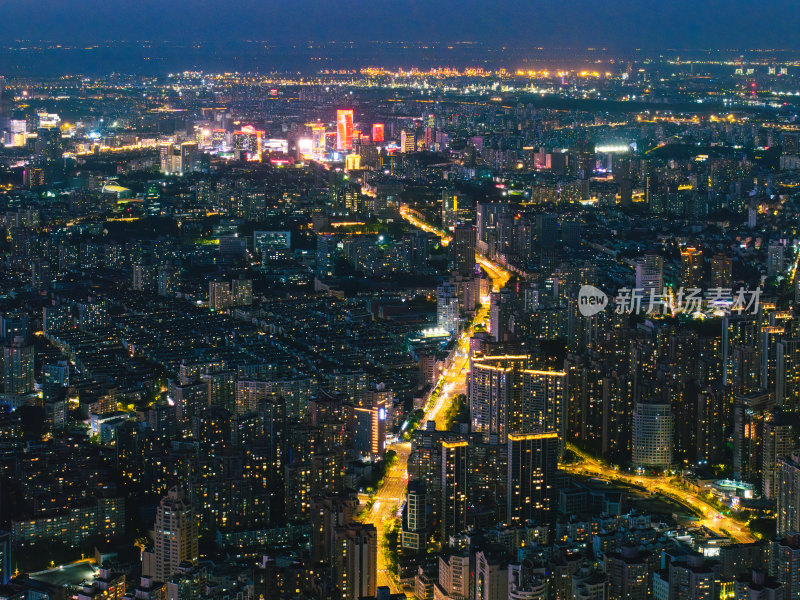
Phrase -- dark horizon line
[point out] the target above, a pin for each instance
(463, 43)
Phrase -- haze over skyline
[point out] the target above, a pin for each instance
(617, 24)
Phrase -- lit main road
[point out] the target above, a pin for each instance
(409, 216)
(390, 496)
(387, 501)
(712, 519)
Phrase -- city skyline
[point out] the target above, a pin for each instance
(515, 318)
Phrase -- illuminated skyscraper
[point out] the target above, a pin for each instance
(408, 141)
(455, 485)
(540, 405)
(447, 307)
(377, 133)
(176, 537)
(344, 129)
(489, 392)
(532, 461)
(318, 141)
(652, 435)
(455, 208)
(247, 143)
(371, 416)
(691, 268)
(17, 132)
(505, 397)
(352, 162)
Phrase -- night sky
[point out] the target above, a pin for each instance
(616, 24)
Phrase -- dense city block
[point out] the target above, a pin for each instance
(523, 331)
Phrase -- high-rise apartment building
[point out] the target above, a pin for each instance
(541, 404)
(178, 159)
(776, 258)
(788, 495)
(491, 576)
(447, 308)
(18, 365)
(628, 573)
(176, 534)
(144, 277)
(168, 281)
(784, 563)
(454, 577)
(650, 275)
(55, 384)
(450, 198)
(532, 464)
(462, 248)
(693, 578)
(219, 295)
(721, 271)
(506, 397)
(778, 440)
(787, 374)
(455, 488)
(328, 512)
(242, 292)
(490, 394)
(414, 532)
(691, 268)
(355, 560)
